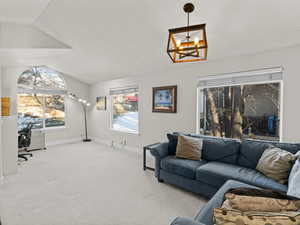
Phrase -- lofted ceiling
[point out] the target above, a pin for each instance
(113, 39)
(21, 11)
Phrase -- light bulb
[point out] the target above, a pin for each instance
(88, 104)
(84, 101)
(196, 40)
(80, 100)
(178, 43)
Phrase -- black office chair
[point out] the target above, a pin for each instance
(24, 140)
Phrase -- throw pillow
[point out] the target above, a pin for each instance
(276, 163)
(189, 148)
(235, 217)
(294, 179)
(173, 139)
(250, 199)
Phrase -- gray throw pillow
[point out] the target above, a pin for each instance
(276, 164)
(294, 179)
(189, 147)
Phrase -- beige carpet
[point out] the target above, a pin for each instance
(90, 184)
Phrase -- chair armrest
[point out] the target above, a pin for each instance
(185, 221)
(160, 150)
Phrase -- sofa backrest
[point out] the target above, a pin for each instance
(252, 150)
(224, 150)
(244, 153)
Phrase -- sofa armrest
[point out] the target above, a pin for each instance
(160, 150)
(185, 221)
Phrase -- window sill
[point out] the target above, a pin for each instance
(125, 132)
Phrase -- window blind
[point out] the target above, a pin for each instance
(123, 90)
(42, 91)
(247, 77)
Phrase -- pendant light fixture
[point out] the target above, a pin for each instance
(188, 44)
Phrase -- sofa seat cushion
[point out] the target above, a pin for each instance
(216, 174)
(182, 167)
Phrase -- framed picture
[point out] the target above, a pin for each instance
(164, 99)
(5, 106)
(101, 103)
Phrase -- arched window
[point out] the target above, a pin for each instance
(41, 94)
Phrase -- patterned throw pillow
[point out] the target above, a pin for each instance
(189, 147)
(250, 199)
(276, 164)
(246, 203)
(236, 217)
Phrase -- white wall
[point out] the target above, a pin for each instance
(74, 122)
(9, 125)
(154, 126)
(1, 156)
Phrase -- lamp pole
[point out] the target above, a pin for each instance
(85, 104)
(85, 124)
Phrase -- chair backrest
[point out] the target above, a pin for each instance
(24, 139)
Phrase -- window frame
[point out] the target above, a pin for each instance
(110, 106)
(44, 128)
(281, 97)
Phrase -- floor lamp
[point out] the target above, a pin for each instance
(85, 104)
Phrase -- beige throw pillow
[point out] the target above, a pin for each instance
(263, 200)
(276, 163)
(189, 147)
(255, 203)
(236, 217)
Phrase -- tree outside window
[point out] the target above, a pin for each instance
(41, 98)
(242, 111)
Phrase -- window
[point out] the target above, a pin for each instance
(244, 108)
(124, 111)
(41, 98)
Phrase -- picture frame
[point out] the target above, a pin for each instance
(5, 106)
(164, 99)
(101, 103)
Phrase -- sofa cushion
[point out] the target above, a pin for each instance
(252, 150)
(173, 140)
(290, 147)
(182, 167)
(220, 150)
(217, 173)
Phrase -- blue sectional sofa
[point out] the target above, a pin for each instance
(222, 160)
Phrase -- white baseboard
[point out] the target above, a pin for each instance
(63, 142)
(116, 145)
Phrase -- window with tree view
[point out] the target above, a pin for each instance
(41, 98)
(241, 111)
(125, 114)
